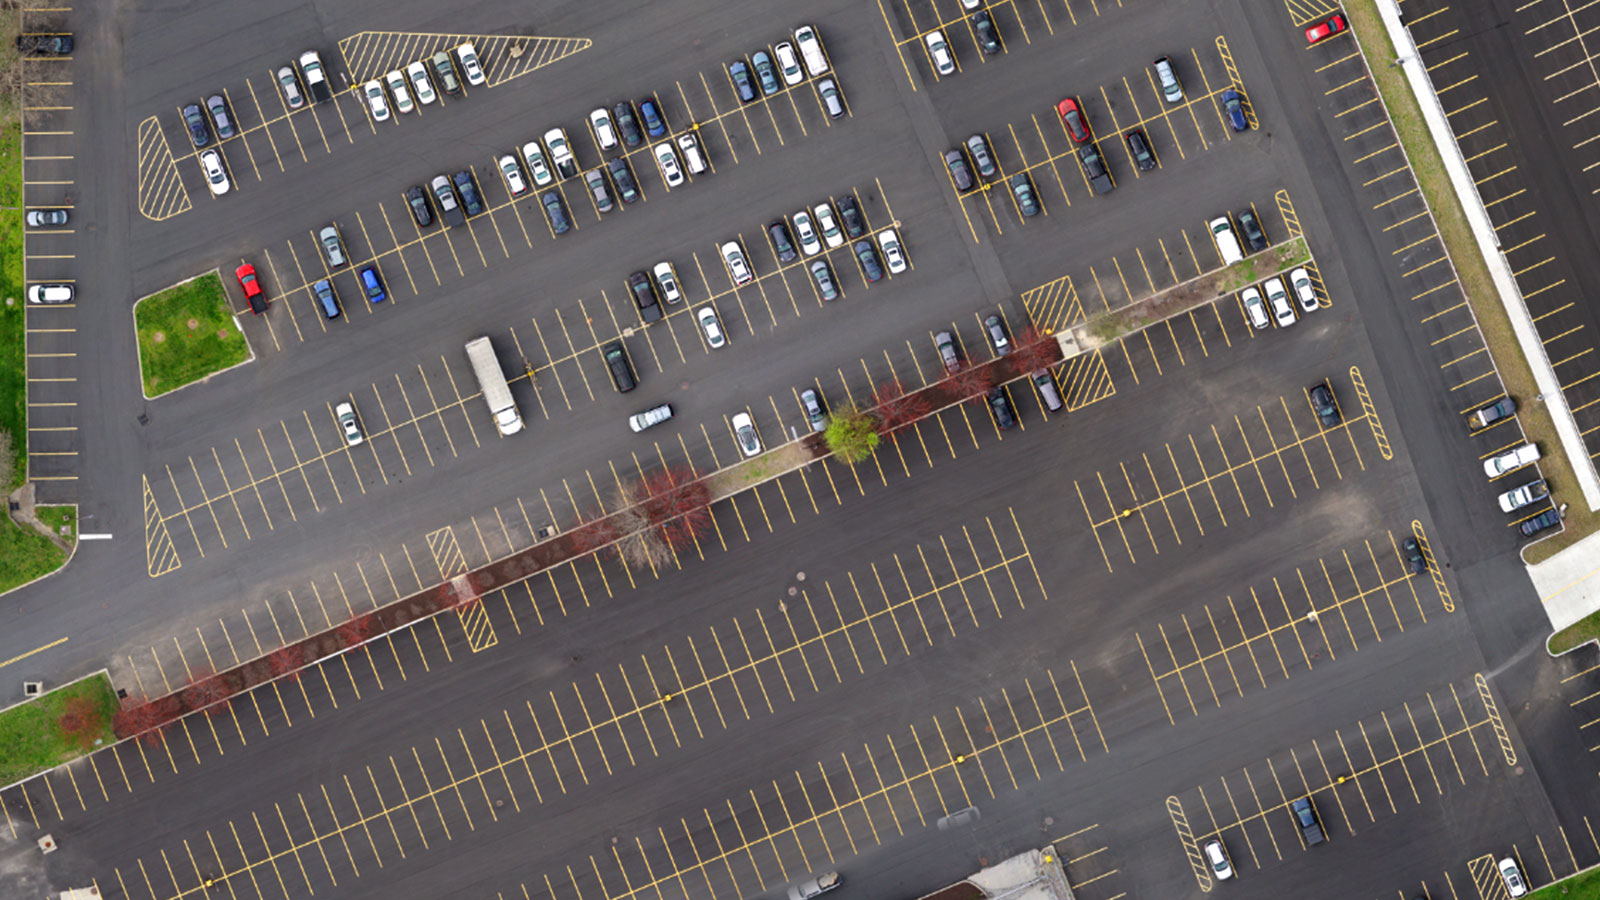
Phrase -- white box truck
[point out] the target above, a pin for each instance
(492, 380)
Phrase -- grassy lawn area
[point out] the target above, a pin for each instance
(1473, 274)
(187, 332)
(25, 554)
(1582, 886)
(13, 383)
(57, 518)
(31, 735)
(1578, 633)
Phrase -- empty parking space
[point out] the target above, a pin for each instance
(1017, 23)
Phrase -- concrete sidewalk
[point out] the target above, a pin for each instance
(1569, 582)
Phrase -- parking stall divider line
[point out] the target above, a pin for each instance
(1395, 740)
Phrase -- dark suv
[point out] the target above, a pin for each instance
(417, 199)
(644, 297)
(1253, 235)
(621, 369)
(1550, 518)
(869, 261)
(622, 176)
(1022, 187)
(555, 211)
(199, 134)
(1005, 418)
(1094, 169)
(1139, 146)
(627, 124)
(45, 44)
(851, 215)
(468, 189)
(1322, 401)
(782, 244)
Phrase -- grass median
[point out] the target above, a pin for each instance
(1474, 277)
(61, 726)
(1582, 886)
(187, 333)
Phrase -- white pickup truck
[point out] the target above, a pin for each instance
(1521, 496)
(1495, 466)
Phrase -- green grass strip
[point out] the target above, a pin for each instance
(31, 740)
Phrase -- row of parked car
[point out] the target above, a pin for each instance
(983, 28)
(1523, 495)
(764, 74)
(417, 81)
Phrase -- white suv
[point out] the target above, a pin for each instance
(469, 64)
(1227, 241)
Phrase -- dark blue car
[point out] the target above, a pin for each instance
(655, 124)
(372, 283)
(196, 120)
(1233, 105)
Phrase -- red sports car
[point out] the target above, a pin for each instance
(1077, 123)
(253, 293)
(1326, 29)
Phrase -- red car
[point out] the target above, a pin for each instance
(1077, 122)
(1327, 29)
(252, 288)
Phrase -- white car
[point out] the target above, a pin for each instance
(1513, 878)
(807, 233)
(712, 326)
(1227, 241)
(604, 134)
(397, 89)
(667, 162)
(788, 63)
(560, 152)
(420, 83)
(1218, 858)
(1495, 466)
(533, 155)
(50, 293)
(1278, 299)
(805, 37)
(375, 100)
(733, 256)
(650, 417)
(971, 4)
(938, 48)
(744, 430)
(1254, 308)
(216, 175)
(667, 282)
(469, 64)
(830, 228)
(892, 252)
(1304, 290)
(513, 173)
(346, 414)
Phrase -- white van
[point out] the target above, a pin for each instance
(805, 37)
(690, 145)
(1227, 241)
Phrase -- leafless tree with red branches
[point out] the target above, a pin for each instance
(205, 689)
(1035, 351)
(144, 718)
(286, 661)
(895, 408)
(971, 381)
(676, 503)
(357, 630)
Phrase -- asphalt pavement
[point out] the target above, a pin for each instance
(1156, 618)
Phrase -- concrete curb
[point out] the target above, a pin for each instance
(1489, 247)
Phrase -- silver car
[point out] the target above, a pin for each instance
(332, 246)
(651, 417)
(346, 414)
(291, 87)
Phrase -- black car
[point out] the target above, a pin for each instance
(1322, 401)
(739, 74)
(956, 162)
(1022, 188)
(1094, 169)
(1305, 816)
(1139, 146)
(988, 37)
(627, 124)
(782, 243)
(421, 209)
(868, 258)
(644, 297)
(1005, 418)
(1253, 235)
(853, 225)
(1412, 551)
(468, 188)
(196, 120)
(45, 44)
(555, 211)
(620, 367)
(1550, 518)
(622, 175)
(655, 122)
(217, 105)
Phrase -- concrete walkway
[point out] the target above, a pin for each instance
(1569, 582)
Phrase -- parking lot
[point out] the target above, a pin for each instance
(1156, 616)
